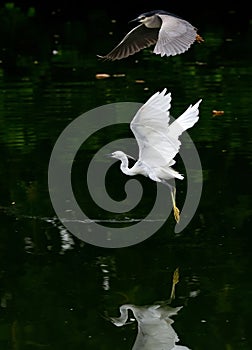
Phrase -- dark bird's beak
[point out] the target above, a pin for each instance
(109, 155)
(134, 20)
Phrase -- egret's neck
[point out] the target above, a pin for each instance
(125, 166)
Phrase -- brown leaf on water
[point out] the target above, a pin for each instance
(102, 76)
(119, 75)
(217, 112)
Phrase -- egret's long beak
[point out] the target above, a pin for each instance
(110, 155)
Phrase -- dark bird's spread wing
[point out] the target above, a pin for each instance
(137, 39)
(175, 36)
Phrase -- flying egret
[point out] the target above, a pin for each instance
(170, 34)
(158, 141)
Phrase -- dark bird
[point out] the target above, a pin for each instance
(170, 34)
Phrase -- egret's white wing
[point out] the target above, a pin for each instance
(175, 36)
(182, 123)
(158, 142)
(150, 127)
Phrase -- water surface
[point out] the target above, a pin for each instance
(55, 289)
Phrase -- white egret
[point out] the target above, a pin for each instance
(158, 141)
(170, 34)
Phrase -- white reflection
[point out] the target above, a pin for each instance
(155, 331)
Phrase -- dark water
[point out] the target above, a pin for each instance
(56, 289)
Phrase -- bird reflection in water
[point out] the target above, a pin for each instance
(155, 331)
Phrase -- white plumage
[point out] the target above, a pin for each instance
(158, 141)
(155, 330)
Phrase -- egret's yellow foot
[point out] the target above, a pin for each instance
(174, 282)
(176, 211)
(175, 279)
(176, 214)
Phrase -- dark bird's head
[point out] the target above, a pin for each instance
(147, 16)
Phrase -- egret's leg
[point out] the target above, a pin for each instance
(176, 211)
(175, 208)
(175, 280)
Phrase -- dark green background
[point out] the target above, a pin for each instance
(54, 289)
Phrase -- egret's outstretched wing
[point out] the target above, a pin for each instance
(137, 39)
(175, 36)
(150, 127)
(158, 142)
(182, 123)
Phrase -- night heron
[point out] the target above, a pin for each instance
(170, 34)
(158, 141)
